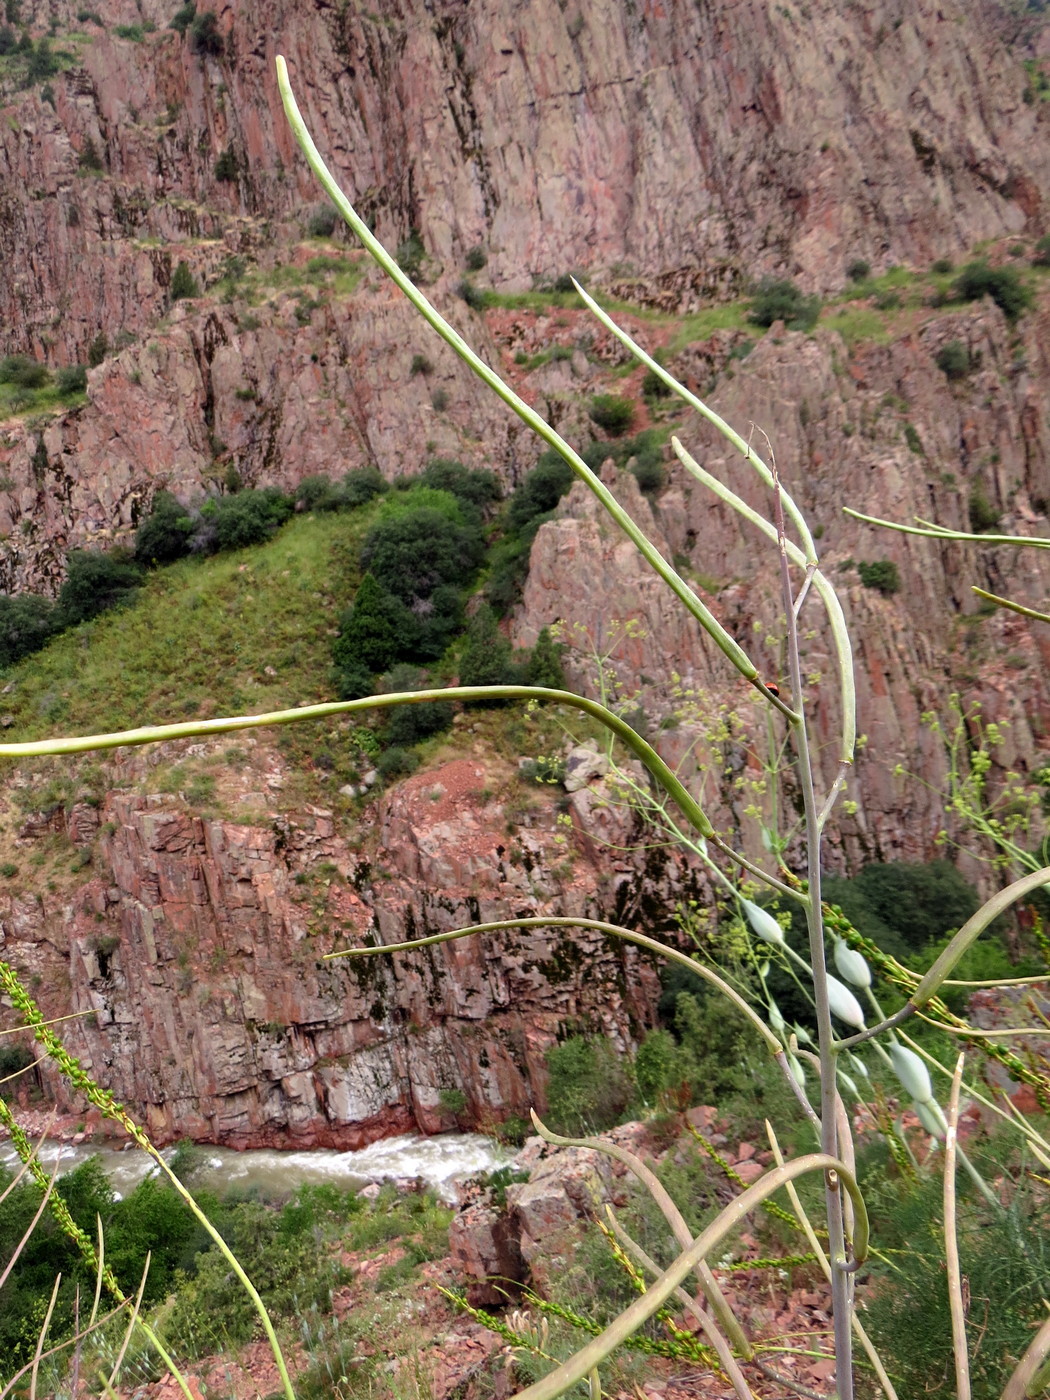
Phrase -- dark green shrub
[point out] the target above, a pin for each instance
(411, 724)
(920, 903)
(983, 515)
(476, 258)
(914, 441)
(781, 300)
(13, 1059)
(882, 574)
(164, 535)
(475, 485)
(486, 658)
(98, 350)
(588, 1088)
(362, 485)
(415, 551)
(377, 630)
(250, 517)
(71, 379)
(1041, 255)
(183, 284)
(90, 157)
(396, 763)
(225, 168)
(612, 413)
(653, 387)
(90, 17)
(8, 40)
(24, 372)
(649, 475)
(315, 493)
(134, 32)
(439, 619)
(354, 682)
(563, 282)
(942, 267)
(410, 255)
(26, 624)
(183, 17)
(544, 664)
(420, 365)
(509, 568)
(540, 491)
(953, 360)
(43, 62)
(96, 582)
(473, 296)
(858, 269)
(323, 222)
(1002, 284)
(205, 37)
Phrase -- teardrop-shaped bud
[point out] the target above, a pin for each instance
(844, 1004)
(844, 1078)
(802, 1035)
(798, 1074)
(763, 969)
(912, 1073)
(931, 1118)
(851, 964)
(775, 1018)
(858, 1066)
(762, 922)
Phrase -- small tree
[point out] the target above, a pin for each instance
(377, 630)
(953, 360)
(164, 535)
(1002, 284)
(544, 665)
(26, 624)
(96, 582)
(781, 300)
(183, 284)
(205, 36)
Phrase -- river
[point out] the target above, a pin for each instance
(440, 1161)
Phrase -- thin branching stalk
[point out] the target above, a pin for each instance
(960, 1348)
(675, 1220)
(941, 532)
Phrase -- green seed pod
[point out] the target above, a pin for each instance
(844, 1004)
(912, 1073)
(852, 965)
(762, 922)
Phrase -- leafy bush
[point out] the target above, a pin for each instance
(476, 486)
(420, 365)
(942, 267)
(858, 269)
(26, 624)
(983, 515)
(588, 1088)
(914, 441)
(540, 491)
(612, 413)
(781, 300)
(473, 296)
(476, 258)
(881, 574)
(953, 360)
(24, 372)
(183, 17)
(653, 387)
(225, 168)
(918, 902)
(415, 551)
(544, 664)
(396, 763)
(98, 349)
(205, 37)
(1002, 284)
(323, 222)
(249, 517)
(362, 485)
(164, 535)
(649, 475)
(411, 724)
(96, 582)
(1041, 254)
(183, 283)
(43, 62)
(71, 379)
(410, 255)
(486, 658)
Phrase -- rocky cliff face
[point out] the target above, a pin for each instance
(199, 946)
(669, 151)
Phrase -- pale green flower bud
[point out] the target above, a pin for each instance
(798, 1074)
(912, 1073)
(931, 1118)
(775, 1018)
(852, 965)
(762, 922)
(844, 1004)
(802, 1035)
(858, 1066)
(845, 1079)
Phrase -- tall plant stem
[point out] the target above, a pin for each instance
(841, 1279)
